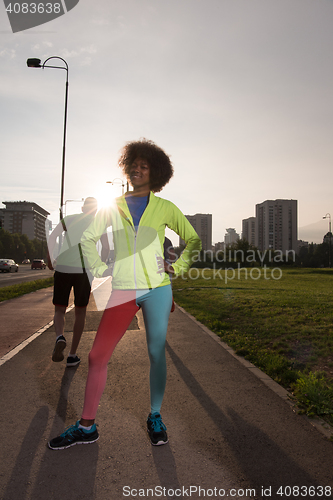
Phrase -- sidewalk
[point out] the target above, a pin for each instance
(228, 431)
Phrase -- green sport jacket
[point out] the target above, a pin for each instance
(136, 251)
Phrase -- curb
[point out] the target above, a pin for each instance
(322, 426)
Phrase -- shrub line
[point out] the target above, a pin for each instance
(14, 291)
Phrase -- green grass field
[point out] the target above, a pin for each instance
(281, 320)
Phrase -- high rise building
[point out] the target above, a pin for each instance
(202, 223)
(24, 217)
(249, 230)
(276, 225)
(231, 236)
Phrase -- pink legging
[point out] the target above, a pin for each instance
(121, 308)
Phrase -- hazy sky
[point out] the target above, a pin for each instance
(238, 92)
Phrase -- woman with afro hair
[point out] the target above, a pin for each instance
(140, 279)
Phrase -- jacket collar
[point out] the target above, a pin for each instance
(123, 207)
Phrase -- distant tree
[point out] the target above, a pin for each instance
(241, 252)
(314, 255)
(40, 249)
(8, 244)
(18, 253)
(322, 255)
(19, 247)
(28, 246)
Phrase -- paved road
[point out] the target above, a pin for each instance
(230, 434)
(22, 317)
(24, 274)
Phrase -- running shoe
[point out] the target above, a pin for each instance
(74, 435)
(73, 361)
(156, 429)
(59, 347)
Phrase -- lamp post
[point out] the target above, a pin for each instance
(36, 63)
(328, 216)
(121, 182)
(67, 201)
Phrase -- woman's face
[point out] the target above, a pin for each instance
(139, 174)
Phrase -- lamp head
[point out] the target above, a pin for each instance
(34, 63)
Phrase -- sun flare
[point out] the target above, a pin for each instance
(106, 195)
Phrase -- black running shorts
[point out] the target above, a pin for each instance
(63, 284)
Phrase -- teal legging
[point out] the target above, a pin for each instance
(121, 308)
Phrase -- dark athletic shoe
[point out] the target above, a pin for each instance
(73, 361)
(60, 345)
(72, 436)
(156, 429)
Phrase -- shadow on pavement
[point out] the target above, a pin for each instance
(66, 381)
(259, 457)
(62, 474)
(74, 469)
(166, 468)
(18, 485)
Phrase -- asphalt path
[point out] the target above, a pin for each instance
(232, 432)
(23, 275)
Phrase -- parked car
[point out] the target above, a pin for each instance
(38, 264)
(26, 261)
(8, 266)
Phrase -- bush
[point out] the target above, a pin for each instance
(314, 395)
(11, 292)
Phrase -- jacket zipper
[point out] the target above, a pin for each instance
(122, 213)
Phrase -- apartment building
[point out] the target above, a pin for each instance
(231, 236)
(24, 217)
(249, 230)
(276, 225)
(202, 223)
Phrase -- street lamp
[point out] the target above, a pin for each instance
(67, 201)
(36, 63)
(121, 182)
(328, 216)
